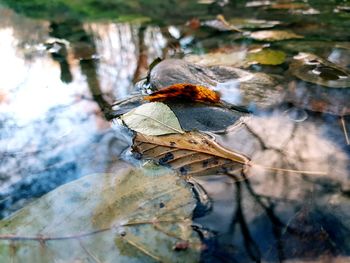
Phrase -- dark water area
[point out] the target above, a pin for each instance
(64, 63)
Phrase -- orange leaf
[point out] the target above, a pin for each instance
(185, 92)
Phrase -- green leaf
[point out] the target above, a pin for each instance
(267, 57)
(132, 216)
(154, 118)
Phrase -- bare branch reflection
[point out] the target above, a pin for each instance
(281, 216)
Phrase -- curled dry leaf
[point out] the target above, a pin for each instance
(191, 154)
(314, 69)
(132, 216)
(152, 119)
(273, 35)
(185, 92)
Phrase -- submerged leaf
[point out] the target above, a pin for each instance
(185, 92)
(204, 117)
(267, 57)
(234, 58)
(152, 119)
(239, 58)
(191, 154)
(273, 35)
(135, 215)
(314, 69)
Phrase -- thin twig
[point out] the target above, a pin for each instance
(345, 130)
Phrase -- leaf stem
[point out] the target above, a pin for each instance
(41, 238)
(287, 170)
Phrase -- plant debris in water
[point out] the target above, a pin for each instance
(267, 57)
(152, 119)
(273, 35)
(314, 69)
(246, 23)
(185, 92)
(134, 214)
(191, 154)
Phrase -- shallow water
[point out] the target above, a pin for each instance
(62, 66)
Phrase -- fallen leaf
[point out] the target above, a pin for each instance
(191, 154)
(289, 6)
(185, 92)
(197, 154)
(234, 58)
(311, 68)
(273, 35)
(342, 8)
(246, 23)
(258, 3)
(192, 115)
(238, 58)
(132, 216)
(152, 119)
(194, 23)
(266, 57)
(220, 24)
(236, 86)
(203, 117)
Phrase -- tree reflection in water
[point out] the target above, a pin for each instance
(276, 215)
(55, 110)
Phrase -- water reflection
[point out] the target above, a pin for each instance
(279, 215)
(56, 90)
(60, 76)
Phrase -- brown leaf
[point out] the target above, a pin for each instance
(289, 6)
(185, 92)
(191, 154)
